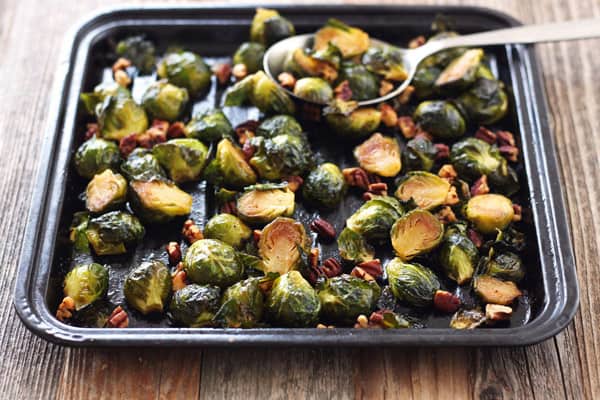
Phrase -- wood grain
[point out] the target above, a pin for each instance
(564, 367)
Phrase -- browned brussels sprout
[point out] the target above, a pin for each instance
(344, 297)
(251, 55)
(424, 188)
(461, 72)
(147, 287)
(281, 245)
(440, 118)
(379, 155)
(302, 64)
(458, 256)
(386, 61)
(416, 233)
(495, 291)
(353, 247)
(269, 27)
(412, 283)
(85, 284)
(163, 100)
(486, 102)
(281, 156)
(77, 232)
(374, 219)
(139, 51)
(158, 201)
(314, 90)
(209, 127)
(106, 191)
(350, 41)
(279, 125)
(119, 115)
(424, 80)
(212, 262)
(229, 167)
(346, 120)
(324, 186)
(363, 83)
(110, 233)
(419, 155)
(292, 302)
(184, 159)
(261, 92)
(503, 265)
(95, 156)
(186, 70)
(242, 305)
(228, 229)
(195, 305)
(489, 212)
(467, 319)
(263, 203)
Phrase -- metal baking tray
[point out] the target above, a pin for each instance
(214, 31)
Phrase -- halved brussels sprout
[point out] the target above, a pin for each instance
(379, 155)
(424, 188)
(354, 123)
(110, 233)
(461, 72)
(467, 319)
(105, 191)
(374, 219)
(142, 165)
(92, 100)
(209, 127)
(440, 118)
(263, 203)
(281, 245)
(353, 247)
(119, 115)
(424, 80)
(228, 229)
(458, 257)
(351, 41)
(281, 156)
(292, 302)
(229, 167)
(386, 61)
(363, 83)
(495, 291)
(314, 90)
(412, 283)
(251, 55)
(504, 265)
(212, 262)
(77, 232)
(95, 156)
(419, 155)
(344, 297)
(147, 287)
(416, 233)
(301, 64)
(324, 186)
(158, 201)
(95, 315)
(139, 51)
(486, 102)
(85, 284)
(279, 125)
(165, 101)
(184, 159)
(242, 305)
(185, 69)
(269, 27)
(195, 305)
(489, 212)
(261, 92)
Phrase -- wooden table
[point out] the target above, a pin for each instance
(31, 33)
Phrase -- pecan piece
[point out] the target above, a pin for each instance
(445, 301)
(356, 177)
(128, 144)
(505, 138)
(92, 130)
(452, 197)
(389, 117)
(122, 78)
(378, 188)
(407, 127)
(511, 153)
(118, 318)
(161, 125)
(372, 267)
(417, 42)
(286, 80)
(480, 186)
(343, 91)
(406, 94)
(323, 326)
(447, 172)
(65, 309)
(497, 312)
(176, 130)
(361, 321)
(331, 267)
(323, 229)
(239, 71)
(191, 232)
(179, 279)
(223, 72)
(248, 150)
(294, 182)
(486, 135)
(385, 87)
(358, 272)
(151, 137)
(443, 151)
(120, 64)
(174, 252)
(446, 215)
(475, 237)
(518, 213)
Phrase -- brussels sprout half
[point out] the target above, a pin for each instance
(314, 90)
(281, 156)
(263, 203)
(440, 118)
(195, 305)
(269, 27)
(419, 154)
(85, 284)
(106, 191)
(324, 186)
(229, 167)
(139, 51)
(142, 165)
(489, 212)
(279, 125)
(301, 64)
(158, 201)
(458, 256)
(242, 305)
(386, 61)
(77, 232)
(363, 83)
(119, 115)
(262, 93)
(424, 188)
(147, 287)
(353, 247)
(110, 233)
(379, 155)
(374, 219)
(354, 124)
(184, 159)
(412, 283)
(95, 156)
(344, 297)
(228, 229)
(505, 265)
(186, 70)
(495, 291)
(92, 100)
(424, 80)
(350, 41)
(212, 262)
(292, 302)
(281, 245)
(461, 72)
(416, 233)
(209, 127)
(165, 101)
(251, 55)
(486, 102)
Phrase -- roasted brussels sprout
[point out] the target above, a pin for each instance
(110, 233)
(95, 315)
(350, 122)
(363, 83)
(503, 265)
(251, 55)
(412, 283)
(158, 201)
(184, 159)
(350, 41)
(281, 156)
(279, 125)
(229, 167)
(147, 287)
(489, 212)
(139, 51)
(458, 256)
(344, 297)
(314, 90)
(486, 102)
(212, 262)
(419, 154)
(323, 65)
(242, 305)
(281, 245)
(105, 191)
(228, 229)
(374, 219)
(353, 247)
(85, 284)
(461, 72)
(262, 93)
(269, 27)
(77, 232)
(424, 80)
(324, 186)
(440, 118)
(292, 302)
(425, 189)
(416, 233)
(165, 101)
(92, 100)
(186, 70)
(142, 165)
(195, 305)
(119, 115)
(467, 319)
(263, 203)
(386, 61)
(209, 127)
(95, 156)
(379, 155)
(495, 291)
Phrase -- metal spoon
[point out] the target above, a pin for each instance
(571, 30)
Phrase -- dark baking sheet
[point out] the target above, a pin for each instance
(214, 32)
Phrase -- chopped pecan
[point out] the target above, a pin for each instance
(486, 135)
(331, 267)
(191, 232)
(356, 177)
(446, 215)
(447, 172)
(518, 213)
(362, 321)
(497, 312)
(176, 130)
(406, 94)
(174, 252)
(475, 237)
(389, 117)
(445, 301)
(378, 188)
(286, 80)
(452, 197)
(443, 151)
(122, 78)
(179, 280)
(151, 137)
(118, 318)
(120, 64)
(372, 267)
(239, 71)
(294, 182)
(248, 149)
(480, 186)
(223, 72)
(417, 42)
(161, 125)
(358, 272)
(229, 207)
(323, 229)
(385, 87)
(505, 138)
(246, 131)
(511, 153)
(313, 257)
(343, 91)
(376, 318)
(322, 326)
(407, 127)
(256, 234)
(127, 144)
(65, 309)
(92, 130)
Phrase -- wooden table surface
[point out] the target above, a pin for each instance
(566, 366)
